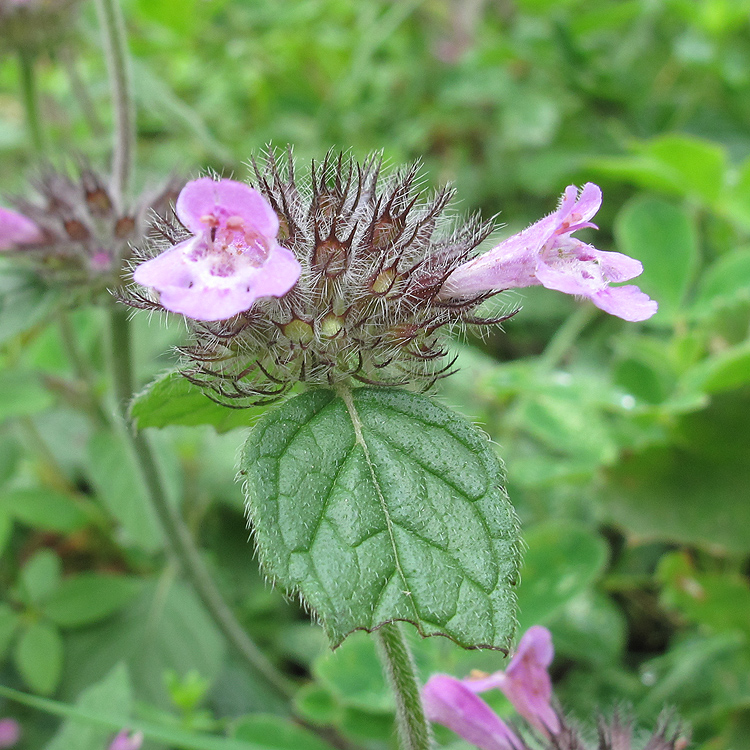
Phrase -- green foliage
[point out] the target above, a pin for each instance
(360, 504)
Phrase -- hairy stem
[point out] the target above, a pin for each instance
(399, 667)
(120, 81)
(176, 532)
(30, 96)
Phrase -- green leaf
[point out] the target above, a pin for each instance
(561, 562)
(171, 399)
(725, 282)
(720, 372)
(118, 483)
(10, 452)
(42, 508)
(110, 697)
(9, 622)
(6, 530)
(694, 490)
(24, 300)
(663, 237)
(88, 598)
(40, 576)
(21, 394)
(315, 704)
(385, 507)
(39, 657)
(164, 629)
(276, 733)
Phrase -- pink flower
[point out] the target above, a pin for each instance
(10, 732)
(450, 702)
(526, 683)
(16, 229)
(126, 741)
(547, 254)
(231, 260)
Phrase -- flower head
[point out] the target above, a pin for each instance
(127, 741)
(321, 278)
(73, 231)
(232, 258)
(546, 253)
(10, 732)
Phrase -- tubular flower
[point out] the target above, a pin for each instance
(232, 258)
(10, 733)
(547, 254)
(346, 289)
(455, 704)
(73, 232)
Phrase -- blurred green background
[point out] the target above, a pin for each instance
(627, 445)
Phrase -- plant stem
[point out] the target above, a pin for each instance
(560, 344)
(401, 671)
(118, 64)
(175, 531)
(30, 96)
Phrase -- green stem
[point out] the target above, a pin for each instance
(30, 96)
(401, 671)
(568, 333)
(177, 534)
(118, 64)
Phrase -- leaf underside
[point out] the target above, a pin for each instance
(381, 505)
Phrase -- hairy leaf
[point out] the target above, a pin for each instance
(382, 505)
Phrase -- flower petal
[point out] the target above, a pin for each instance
(527, 685)
(449, 702)
(17, 229)
(206, 196)
(627, 302)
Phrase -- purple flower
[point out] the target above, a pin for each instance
(231, 260)
(450, 702)
(547, 254)
(10, 732)
(16, 229)
(526, 683)
(126, 741)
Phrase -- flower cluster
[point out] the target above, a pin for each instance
(74, 232)
(527, 685)
(10, 733)
(36, 25)
(350, 274)
(319, 280)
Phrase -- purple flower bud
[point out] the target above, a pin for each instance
(17, 229)
(126, 741)
(546, 254)
(450, 702)
(231, 260)
(10, 732)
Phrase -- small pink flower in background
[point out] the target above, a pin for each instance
(231, 260)
(126, 741)
(546, 254)
(10, 732)
(16, 229)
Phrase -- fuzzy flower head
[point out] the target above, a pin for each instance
(319, 279)
(547, 254)
(231, 259)
(526, 683)
(36, 26)
(73, 232)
